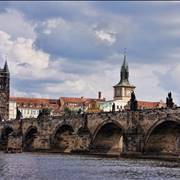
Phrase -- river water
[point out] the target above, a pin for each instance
(30, 166)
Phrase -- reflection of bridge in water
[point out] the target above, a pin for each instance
(115, 133)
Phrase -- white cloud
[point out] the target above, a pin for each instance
(22, 56)
(105, 76)
(108, 37)
(15, 24)
(28, 63)
(147, 82)
(78, 39)
(54, 23)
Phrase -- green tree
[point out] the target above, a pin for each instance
(67, 110)
(44, 112)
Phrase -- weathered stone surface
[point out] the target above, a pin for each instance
(14, 144)
(145, 131)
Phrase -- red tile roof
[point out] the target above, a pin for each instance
(35, 102)
(78, 100)
(73, 99)
(149, 105)
(31, 100)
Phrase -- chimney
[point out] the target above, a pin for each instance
(99, 95)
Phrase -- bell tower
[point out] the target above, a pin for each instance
(122, 90)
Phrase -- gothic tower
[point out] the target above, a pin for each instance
(122, 90)
(4, 92)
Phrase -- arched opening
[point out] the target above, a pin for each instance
(64, 139)
(164, 139)
(28, 140)
(108, 139)
(4, 137)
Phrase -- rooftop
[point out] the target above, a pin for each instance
(32, 100)
(150, 105)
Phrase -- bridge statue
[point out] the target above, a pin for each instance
(113, 107)
(18, 114)
(133, 102)
(169, 100)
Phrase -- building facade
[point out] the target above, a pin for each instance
(4, 92)
(85, 104)
(30, 107)
(106, 106)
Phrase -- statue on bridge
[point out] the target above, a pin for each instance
(19, 118)
(18, 114)
(113, 107)
(133, 102)
(169, 100)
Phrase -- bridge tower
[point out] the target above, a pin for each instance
(4, 92)
(122, 90)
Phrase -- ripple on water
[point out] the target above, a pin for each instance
(66, 167)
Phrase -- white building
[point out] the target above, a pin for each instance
(12, 109)
(106, 106)
(27, 112)
(30, 107)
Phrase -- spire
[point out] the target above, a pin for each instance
(125, 62)
(6, 69)
(124, 71)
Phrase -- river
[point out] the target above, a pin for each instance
(32, 166)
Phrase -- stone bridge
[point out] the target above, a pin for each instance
(111, 133)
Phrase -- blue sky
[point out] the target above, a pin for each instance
(76, 48)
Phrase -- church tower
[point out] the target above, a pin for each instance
(122, 90)
(4, 92)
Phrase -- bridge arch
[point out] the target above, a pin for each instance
(29, 137)
(63, 138)
(108, 138)
(6, 131)
(163, 137)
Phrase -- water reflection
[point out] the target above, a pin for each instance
(55, 166)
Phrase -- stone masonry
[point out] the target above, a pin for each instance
(112, 133)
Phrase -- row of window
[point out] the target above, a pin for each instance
(73, 104)
(32, 105)
(30, 112)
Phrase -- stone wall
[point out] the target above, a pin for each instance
(118, 133)
(14, 144)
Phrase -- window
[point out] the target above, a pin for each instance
(117, 92)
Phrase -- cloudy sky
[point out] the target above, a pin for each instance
(76, 48)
